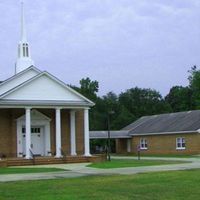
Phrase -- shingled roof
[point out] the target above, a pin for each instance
(187, 122)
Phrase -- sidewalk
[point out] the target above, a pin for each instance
(80, 169)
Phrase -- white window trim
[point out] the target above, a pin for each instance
(180, 148)
(143, 148)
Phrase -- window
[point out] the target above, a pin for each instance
(180, 143)
(27, 53)
(25, 50)
(143, 143)
(23, 130)
(24, 54)
(33, 130)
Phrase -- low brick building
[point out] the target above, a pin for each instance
(173, 133)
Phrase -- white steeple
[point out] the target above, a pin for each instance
(24, 58)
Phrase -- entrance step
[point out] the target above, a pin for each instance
(51, 160)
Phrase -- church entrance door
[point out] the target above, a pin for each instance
(37, 141)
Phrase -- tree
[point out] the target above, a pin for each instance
(142, 102)
(123, 118)
(89, 88)
(194, 84)
(180, 98)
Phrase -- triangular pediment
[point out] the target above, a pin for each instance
(44, 87)
(35, 115)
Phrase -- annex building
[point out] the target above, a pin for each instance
(173, 133)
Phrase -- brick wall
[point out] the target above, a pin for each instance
(65, 130)
(166, 144)
(5, 132)
(121, 145)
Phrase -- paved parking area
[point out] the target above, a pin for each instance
(81, 169)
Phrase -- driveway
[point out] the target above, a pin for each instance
(80, 169)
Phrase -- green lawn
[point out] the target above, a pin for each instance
(177, 185)
(9, 170)
(119, 163)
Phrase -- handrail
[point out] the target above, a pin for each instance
(64, 154)
(33, 156)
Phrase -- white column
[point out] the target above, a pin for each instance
(58, 133)
(128, 145)
(73, 132)
(28, 133)
(86, 133)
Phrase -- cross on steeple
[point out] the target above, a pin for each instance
(24, 58)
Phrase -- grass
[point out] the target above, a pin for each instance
(119, 163)
(176, 185)
(9, 170)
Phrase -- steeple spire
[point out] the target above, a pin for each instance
(23, 30)
(24, 58)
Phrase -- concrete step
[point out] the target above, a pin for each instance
(50, 160)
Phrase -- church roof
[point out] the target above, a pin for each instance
(39, 88)
(18, 79)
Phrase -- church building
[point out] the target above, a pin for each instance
(39, 114)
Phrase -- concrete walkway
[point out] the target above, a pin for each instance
(80, 169)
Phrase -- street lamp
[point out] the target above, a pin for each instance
(108, 139)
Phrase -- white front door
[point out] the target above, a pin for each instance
(37, 140)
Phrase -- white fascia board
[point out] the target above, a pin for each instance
(42, 104)
(163, 133)
(78, 107)
(69, 88)
(19, 74)
(18, 79)
(54, 79)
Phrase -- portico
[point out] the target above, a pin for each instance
(59, 114)
(33, 118)
(46, 132)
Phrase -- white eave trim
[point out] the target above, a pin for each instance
(19, 74)
(43, 104)
(46, 106)
(163, 133)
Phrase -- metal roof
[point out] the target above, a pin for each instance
(113, 134)
(166, 123)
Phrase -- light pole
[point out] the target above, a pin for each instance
(108, 140)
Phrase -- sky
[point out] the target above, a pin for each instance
(120, 43)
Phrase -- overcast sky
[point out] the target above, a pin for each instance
(120, 43)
